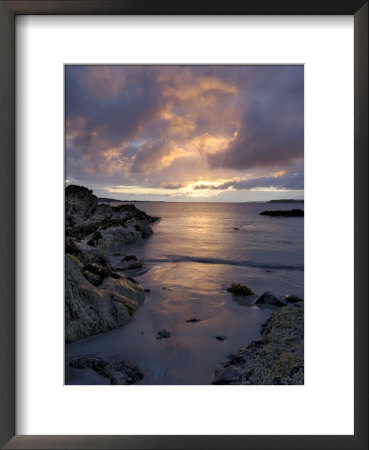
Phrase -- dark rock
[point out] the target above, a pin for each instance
(129, 258)
(239, 289)
(87, 310)
(277, 357)
(80, 204)
(221, 338)
(91, 310)
(293, 299)
(129, 262)
(71, 247)
(147, 290)
(231, 375)
(284, 213)
(193, 320)
(119, 371)
(235, 228)
(133, 280)
(269, 299)
(264, 325)
(102, 225)
(91, 254)
(95, 273)
(163, 334)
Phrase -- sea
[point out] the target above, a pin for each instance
(196, 252)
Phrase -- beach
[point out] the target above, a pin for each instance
(196, 251)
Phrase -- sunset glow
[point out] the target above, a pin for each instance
(186, 133)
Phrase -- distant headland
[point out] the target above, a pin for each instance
(288, 200)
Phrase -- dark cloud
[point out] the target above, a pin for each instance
(290, 181)
(172, 186)
(150, 125)
(272, 126)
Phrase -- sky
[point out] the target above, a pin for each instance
(224, 133)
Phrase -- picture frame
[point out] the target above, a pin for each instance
(8, 11)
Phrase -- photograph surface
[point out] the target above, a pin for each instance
(184, 224)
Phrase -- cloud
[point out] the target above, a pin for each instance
(172, 186)
(155, 156)
(157, 126)
(272, 131)
(289, 181)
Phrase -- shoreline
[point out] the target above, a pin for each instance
(276, 357)
(188, 340)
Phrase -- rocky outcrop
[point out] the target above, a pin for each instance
(80, 204)
(284, 213)
(129, 262)
(119, 371)
(277, 357)
(103, 226)
(270, 299)
(90, 309)
(97, 297)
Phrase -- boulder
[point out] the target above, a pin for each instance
(277, 357)
(293, 299)
(89, 309)
(80, 204)
(90, 254)
(119, 371)
(102, 225)
(239, 289)
(270, 299)
(129, 262)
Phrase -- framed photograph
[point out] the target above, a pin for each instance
(184, 225)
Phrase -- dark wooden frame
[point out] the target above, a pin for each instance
(8, 11)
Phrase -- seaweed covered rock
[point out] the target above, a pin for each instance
(239, 289)
(277, 357)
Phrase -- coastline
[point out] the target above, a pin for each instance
(276, 357)
(201, 325)
(97, 296)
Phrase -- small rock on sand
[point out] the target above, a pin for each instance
(163, 334)
(193, 320)
(293, 299)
